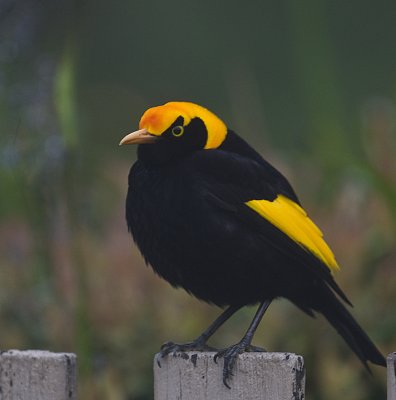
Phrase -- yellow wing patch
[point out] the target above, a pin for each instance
(292, 220)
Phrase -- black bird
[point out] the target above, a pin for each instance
(210, 215)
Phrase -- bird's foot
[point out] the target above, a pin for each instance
(170, 347)
(230, 355)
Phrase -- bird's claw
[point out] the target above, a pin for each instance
(174, 348)
(230, 355)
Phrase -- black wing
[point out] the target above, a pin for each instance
(229, 181)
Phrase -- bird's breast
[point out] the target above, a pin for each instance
(181, 236)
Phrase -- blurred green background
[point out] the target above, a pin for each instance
(312, 85)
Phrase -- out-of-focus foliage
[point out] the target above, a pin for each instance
(310, 84)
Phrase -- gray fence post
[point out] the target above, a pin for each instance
(391, 363)
(37, 375)
(258, 376)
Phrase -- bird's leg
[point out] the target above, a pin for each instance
(231, 353)
(198, 344)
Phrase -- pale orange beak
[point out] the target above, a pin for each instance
(138, 137)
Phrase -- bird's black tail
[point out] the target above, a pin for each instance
(336, 313)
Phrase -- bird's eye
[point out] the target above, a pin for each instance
(177, 130)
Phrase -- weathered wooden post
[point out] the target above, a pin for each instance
(391, 363)
(258, 376)
(37, 375)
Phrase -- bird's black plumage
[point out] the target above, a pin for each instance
(186, 209)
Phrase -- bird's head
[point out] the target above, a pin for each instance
(175, 129)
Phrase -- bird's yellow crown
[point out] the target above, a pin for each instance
(158, 119)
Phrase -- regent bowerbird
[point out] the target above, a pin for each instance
(210, 215)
